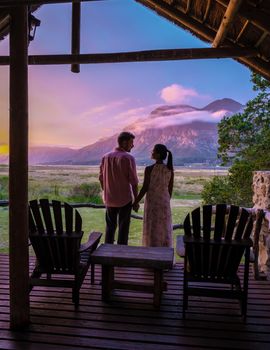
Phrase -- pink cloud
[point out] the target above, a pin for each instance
(176, 93)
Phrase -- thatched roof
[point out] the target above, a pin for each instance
(224, 23)
(249, 27)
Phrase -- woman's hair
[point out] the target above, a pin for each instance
(163, 151)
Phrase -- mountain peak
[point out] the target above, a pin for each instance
(223, 104)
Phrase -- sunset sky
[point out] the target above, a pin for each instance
(74, 110)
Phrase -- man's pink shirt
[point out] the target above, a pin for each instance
(117, 176)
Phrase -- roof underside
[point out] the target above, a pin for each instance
(250, 27)
(246, 25)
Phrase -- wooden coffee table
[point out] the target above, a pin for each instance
(114, 255)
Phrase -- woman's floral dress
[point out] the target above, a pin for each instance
(157, 222)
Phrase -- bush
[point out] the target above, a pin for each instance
(236, 188)
(3, 187)
(86, 192)
(218, 190)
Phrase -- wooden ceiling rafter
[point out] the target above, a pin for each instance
(263, 36)
(5, 24)
(207, 10)
(241, 31)
(257, 18)
(188, 6)
(228, 18)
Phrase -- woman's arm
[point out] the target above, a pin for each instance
(170, 187)
(145, 185)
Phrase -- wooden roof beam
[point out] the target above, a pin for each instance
(138, 56)
(188, 6)
(76, 33)
(228, 19)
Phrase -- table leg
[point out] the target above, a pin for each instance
(158, 287)
(107, 281)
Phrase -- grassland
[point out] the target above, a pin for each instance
(80, 184)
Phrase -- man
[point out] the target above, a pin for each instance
(119, 181)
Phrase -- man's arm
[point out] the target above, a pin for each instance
(101, 173)
(135, 191)
(133, 178)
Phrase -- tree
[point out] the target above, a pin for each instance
(244, 142)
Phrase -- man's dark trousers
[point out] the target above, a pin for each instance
(123, 216)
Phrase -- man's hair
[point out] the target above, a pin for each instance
(125, 136)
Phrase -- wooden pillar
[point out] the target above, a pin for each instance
(76, 33)
(18, 169)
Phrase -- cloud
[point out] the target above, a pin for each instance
(178, 119)
(133, 114)
(104, 108)
(176, 93)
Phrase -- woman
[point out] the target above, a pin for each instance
(157, 185)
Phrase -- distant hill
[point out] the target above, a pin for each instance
(194, 140)
(39, 155)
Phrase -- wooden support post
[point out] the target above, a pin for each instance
(18, 170)
(75, 35)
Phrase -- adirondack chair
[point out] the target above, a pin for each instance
(55, 235)
(213, 254)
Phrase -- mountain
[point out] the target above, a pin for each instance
(225, 104)
(196, 141)
(189, 132)
(190, 141)
(39, 155)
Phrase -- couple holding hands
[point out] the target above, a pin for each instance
(119, 182)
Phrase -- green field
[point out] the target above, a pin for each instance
(80, 184)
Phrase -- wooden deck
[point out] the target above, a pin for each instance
(131, 322)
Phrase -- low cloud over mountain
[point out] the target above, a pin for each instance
(189, 132)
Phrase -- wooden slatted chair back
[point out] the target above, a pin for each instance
(55, 234)
(216, 238)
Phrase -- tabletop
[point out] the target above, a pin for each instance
(136, 256)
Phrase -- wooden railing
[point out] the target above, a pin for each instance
(258, 213)
(4, 203)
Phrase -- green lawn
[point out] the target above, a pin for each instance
(80, 184)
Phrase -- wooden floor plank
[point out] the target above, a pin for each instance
(129, 321)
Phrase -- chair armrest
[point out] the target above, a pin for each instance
(92, 243)
(180, 246)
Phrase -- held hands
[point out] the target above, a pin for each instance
(136, 206)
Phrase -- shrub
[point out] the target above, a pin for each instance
(218, 190)
(3, 187)
(86, 192)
